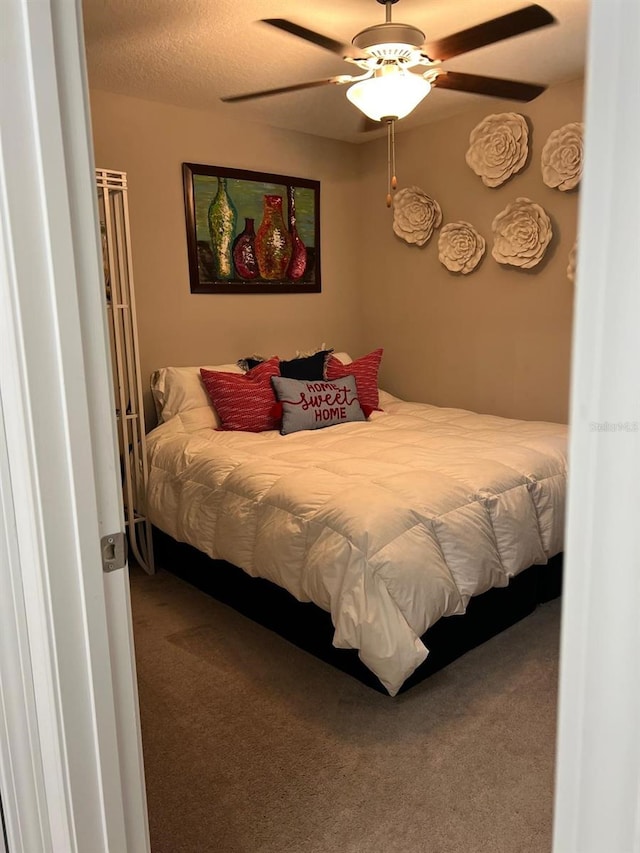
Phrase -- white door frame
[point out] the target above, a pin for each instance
(71, 772)
(598, 761)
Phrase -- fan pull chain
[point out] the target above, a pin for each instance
(392, 181)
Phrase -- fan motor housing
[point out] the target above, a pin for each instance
(389, 40)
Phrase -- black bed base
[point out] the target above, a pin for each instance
(310, 628)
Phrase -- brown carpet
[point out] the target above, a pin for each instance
(253, 746)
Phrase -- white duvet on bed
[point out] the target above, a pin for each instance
(389, 524)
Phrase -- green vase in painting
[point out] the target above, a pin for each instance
(273, 241)
(222, 218)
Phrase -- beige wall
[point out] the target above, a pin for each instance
(150, 141)
(496, 340)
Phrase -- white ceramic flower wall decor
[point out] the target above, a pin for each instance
(498, 147)
(460, 247)
(571, 266)
(415, 215)
(521, 234)
(562, 157)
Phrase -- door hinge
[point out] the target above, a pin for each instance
(114, 551)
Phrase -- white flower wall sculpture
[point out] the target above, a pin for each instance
(571, 266)
(498, 147)
(415, 215)
(562, 157)
(460, 247)
(522, 232)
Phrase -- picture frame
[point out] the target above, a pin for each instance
(251, 232)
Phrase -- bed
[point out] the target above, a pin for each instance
(393, 527)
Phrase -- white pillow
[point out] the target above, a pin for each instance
(177, 390)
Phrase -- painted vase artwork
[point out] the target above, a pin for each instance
(273, 241)
(222, 218)
(251, 232)
(244, 252)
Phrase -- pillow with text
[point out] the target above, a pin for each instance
(308, 404)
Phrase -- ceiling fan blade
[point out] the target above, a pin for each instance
(513, 24)
(492, 86)
(296, 87)
(315, 38)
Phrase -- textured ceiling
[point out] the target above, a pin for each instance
(193, 52)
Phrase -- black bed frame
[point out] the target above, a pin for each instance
(310, 628)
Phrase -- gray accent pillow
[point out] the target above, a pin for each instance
(313, 404)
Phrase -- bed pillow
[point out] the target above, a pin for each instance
(365, 370)
(250, 362)
(176, 390)
(244, 401)
(306, 367)
(308, 404)
(311, 366)
(343, 357)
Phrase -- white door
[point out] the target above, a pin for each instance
(598, 759)
(71, 773)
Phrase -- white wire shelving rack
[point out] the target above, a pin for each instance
(123, 334)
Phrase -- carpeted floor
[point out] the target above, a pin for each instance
(253, 746)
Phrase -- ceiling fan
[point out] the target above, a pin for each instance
(399, 67)
(392, 56)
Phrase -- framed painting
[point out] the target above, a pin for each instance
(251, 232)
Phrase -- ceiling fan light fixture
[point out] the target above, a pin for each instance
(391, 93)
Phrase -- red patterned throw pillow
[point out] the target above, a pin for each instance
(244, 401)
(365, 370)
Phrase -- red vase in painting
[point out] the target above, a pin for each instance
(273, 241)
(298, 262)
(244, 252)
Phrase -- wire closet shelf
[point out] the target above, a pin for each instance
(123, 337)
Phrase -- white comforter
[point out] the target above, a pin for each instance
(389, 524)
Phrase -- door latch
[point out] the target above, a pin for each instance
(114, 551)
